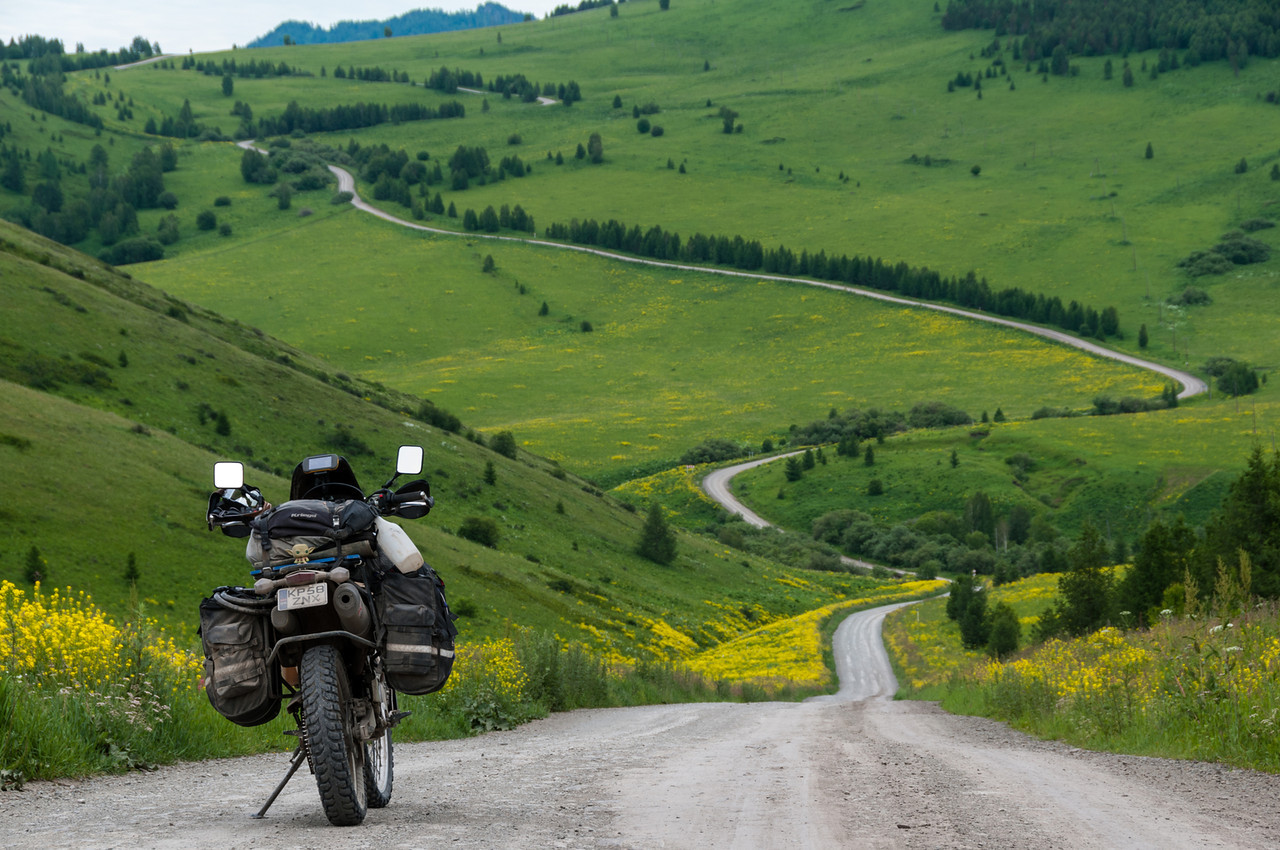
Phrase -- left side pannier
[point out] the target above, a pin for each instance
(236, 635)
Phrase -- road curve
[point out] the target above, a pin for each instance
(1191, 385)
(716, 485)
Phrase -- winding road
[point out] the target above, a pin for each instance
(1191, 385)
(855, 769)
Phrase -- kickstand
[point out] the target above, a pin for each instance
(299, 756)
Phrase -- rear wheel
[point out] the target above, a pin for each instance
(338, 759)
(378, 771)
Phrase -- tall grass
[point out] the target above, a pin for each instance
(1204, 687)
(80, 695)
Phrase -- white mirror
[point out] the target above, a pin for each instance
(409, 461)
(228, 475)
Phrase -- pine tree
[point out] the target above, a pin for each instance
(657, 539)
(36, 569)
(131, 572)
(490, 474)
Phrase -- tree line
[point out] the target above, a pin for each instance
(1207, 32)
(240, 68)
(42, 89)
(448, 81)
(52, 51)
(350, 117)
(107, 204)
(925, 284)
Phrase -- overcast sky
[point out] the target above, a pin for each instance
(201, 25)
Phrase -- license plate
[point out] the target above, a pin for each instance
(305, 596)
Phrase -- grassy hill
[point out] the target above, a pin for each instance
(108, 435)
(850, 143)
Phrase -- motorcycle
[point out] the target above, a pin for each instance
(343, 615)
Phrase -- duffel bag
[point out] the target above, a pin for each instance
(417, 630)
(237, 637)
(307, 529)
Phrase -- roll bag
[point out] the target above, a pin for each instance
(237, 639)
(307, 529)
(417, 630)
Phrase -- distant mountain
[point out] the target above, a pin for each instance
(417, 22)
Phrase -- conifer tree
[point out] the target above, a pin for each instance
(657, 540)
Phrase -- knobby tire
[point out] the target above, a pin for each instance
(338, 759)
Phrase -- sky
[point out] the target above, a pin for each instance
(202, 25)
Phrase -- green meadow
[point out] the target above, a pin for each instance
(1064, 206)
(839, 107)
(673, 356)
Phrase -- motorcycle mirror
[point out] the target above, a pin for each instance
(228, 475)
(409, 460)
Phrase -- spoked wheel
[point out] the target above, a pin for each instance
(378, 770)
(339, 760)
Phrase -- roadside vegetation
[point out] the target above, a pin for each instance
(1174, 654)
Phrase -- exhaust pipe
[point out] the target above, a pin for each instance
(352, 611)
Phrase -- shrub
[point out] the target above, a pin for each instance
(643, 126)
(1191, 297)
(341, 198)
(1201, 263)
(481, 530)
(207, 220)
(656, 131)
(140, 250)
(504, 443)
(937, 414)
(712, 450)
(222, 201)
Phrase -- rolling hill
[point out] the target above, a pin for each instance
(848, 135)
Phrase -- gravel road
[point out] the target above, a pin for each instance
(855, 769)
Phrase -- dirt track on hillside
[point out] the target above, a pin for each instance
(851, 770)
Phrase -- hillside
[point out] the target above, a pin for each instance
(417, 22)
(863, 132)
(109, 429)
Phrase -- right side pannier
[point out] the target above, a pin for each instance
(417, 630)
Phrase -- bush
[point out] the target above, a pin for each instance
(341, 198)
(1192, 296)
(504, 443)
(656, 131)
(481, 530)
(222, 201)
(712, 450)
(207, 220)
(1255, 224)
(642, 126)
(142, 250)
(937, 414)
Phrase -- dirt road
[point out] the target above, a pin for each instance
(851, 770)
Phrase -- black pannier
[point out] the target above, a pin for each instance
(237, 638)
(417, 631)
(307, 529)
